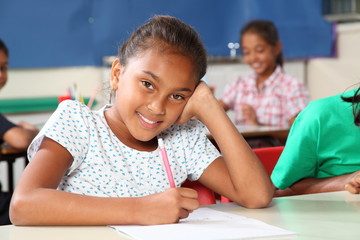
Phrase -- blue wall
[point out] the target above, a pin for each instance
(53, 33)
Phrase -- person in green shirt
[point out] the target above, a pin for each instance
(322, 152)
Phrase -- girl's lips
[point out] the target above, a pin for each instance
(255, 65)
(147, 123)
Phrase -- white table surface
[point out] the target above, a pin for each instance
(333, 215)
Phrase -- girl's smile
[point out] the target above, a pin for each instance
(147, 123)
(259, 54)
(152, 89)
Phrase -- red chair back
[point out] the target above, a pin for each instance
(205, 195)
(268, 157)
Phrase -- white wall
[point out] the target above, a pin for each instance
(332, 76)
(50, 82)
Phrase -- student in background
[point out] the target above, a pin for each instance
(16, 136)
(269, 96)
(104, 167)
(322, 151)
(19, 135)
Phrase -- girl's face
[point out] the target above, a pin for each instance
(151, 93)
(3, 68)
(259, 54)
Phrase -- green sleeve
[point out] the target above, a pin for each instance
(299, 158)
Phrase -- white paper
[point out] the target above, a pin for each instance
(205, 223)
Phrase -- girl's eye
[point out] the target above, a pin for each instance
(260, 50)
(147, 84)
(177, 97)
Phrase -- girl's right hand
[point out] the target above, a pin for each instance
(167, 207)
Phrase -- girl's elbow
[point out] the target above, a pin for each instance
(260, 202)
(17, 211)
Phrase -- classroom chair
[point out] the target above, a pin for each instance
(205, 195)
(268, 157)
(10, 158)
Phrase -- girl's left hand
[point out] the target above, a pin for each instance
(249, 115)
(197, 102)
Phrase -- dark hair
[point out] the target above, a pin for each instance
(166, 33)
(355, 100)
(268, 31)
(4, 48)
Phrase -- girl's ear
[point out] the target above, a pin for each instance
(115, 74)
(278, 48)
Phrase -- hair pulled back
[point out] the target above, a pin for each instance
(355, 100)
(166, 33)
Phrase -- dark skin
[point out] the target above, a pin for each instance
(348, 182)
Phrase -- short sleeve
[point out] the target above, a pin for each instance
(5, 125)
(299, 158)
(201, 152)
(68, 127)
(189, 148)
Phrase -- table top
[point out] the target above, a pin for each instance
(334, 215)
(263, 130)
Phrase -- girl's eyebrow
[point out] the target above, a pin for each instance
(157, 78)
(152, 75)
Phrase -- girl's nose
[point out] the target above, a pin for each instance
(251, 57)
(157, 106)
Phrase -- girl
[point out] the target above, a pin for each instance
(269, 96)
(322, 151)
(107, 164)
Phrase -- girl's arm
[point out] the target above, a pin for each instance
(37, 202)
(349, 182)
(224, 106)
(238, 175)
(20, 136)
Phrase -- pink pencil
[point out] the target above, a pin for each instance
(166, 162)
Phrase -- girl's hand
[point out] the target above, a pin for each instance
(249, 115)
(167, 207)
(27, 126)
(353, 183)
(197, 102)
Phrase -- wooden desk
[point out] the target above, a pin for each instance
(333, 215)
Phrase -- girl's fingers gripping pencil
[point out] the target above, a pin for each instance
(166, 162)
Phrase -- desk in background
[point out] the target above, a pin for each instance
(10, 155)
(334, 215)
(269, 135)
